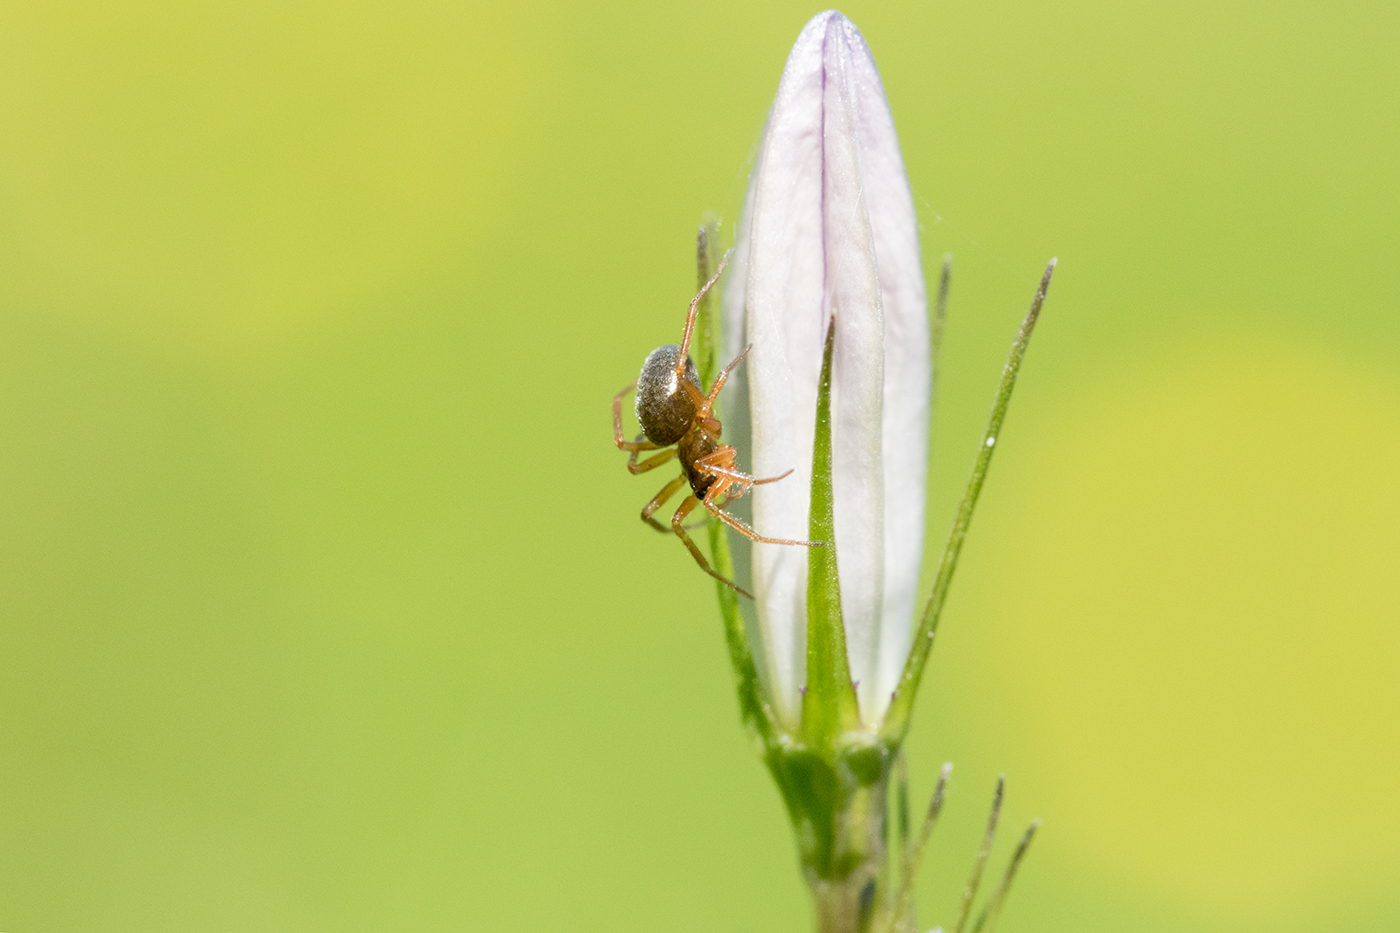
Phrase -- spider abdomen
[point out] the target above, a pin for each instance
(664, 409)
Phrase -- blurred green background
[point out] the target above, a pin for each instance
(324, 604)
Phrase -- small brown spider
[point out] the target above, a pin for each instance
(671, 409)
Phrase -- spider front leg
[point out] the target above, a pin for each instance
(721, 379)
(712, 506)
(677, 526)
(720, 465)
(691, 315)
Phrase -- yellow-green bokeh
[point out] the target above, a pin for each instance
(323, 601)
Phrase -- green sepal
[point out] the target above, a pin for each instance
(705, 344)
(829, 706)
(755, 713)
(896, 722)
(753, 710)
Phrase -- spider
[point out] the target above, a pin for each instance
(672, 409)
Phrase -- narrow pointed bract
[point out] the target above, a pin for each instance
(828, 229)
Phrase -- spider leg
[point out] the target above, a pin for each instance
(622, 444)
(690, 319)
(649, 463)
(666, 492)
(748, 532)
(722, 378)
(727, 498)
(676, 525)
(741, 482)
(721, 462)
(719, 465)
(742, 479)
(696, 398)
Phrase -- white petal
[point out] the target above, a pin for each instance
(857, 379)
(775, 303)
(828, 225)
(907, 374)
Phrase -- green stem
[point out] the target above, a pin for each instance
(847, 895)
